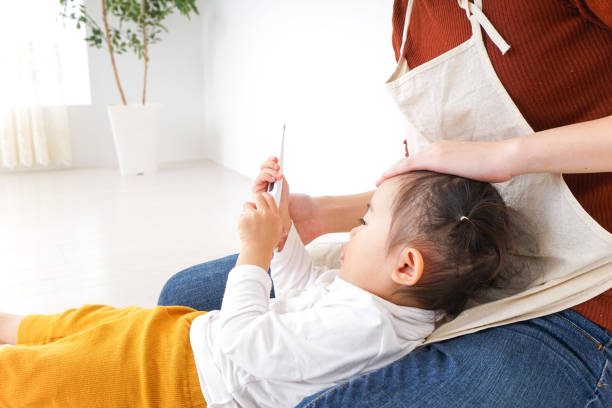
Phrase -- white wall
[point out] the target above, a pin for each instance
(175, 80)
(231, 77)
(320, 67)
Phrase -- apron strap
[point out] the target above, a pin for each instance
(405, 30)
(474, 9)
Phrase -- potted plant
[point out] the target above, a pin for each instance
(130, 25)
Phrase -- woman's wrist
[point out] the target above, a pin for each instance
(513, 157)
(341, 213)
(584, 147)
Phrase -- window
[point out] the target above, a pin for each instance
(44, 57)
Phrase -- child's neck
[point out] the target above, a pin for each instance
(389, 293)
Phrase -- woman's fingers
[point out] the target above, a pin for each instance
(402, 166)
(380, 180)
(484, 161)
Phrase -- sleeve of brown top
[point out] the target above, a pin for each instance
(597, 11)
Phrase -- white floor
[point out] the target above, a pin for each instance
(71, 237)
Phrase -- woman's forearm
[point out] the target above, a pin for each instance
(342, 213)
(579, 148)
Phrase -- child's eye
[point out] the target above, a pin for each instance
(362, 221)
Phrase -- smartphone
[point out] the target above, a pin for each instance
(276, 188)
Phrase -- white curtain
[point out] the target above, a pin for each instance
(33, 117)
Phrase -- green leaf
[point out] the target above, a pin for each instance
(126, 21)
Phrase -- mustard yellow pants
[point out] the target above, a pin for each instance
(100, 356)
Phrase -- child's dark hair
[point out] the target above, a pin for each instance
(460, 226)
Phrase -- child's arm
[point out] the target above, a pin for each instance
(292, 268)
(269, 173)
(260, 229)
(292, 265)
(299, 345)
(320, 344)
(338, 338)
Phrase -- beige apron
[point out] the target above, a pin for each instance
(459, 96)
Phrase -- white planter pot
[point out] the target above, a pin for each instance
(136, 130)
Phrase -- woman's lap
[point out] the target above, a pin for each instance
(559, 360)
(541, 362)
(200, 287)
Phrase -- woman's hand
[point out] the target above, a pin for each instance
(306, 215)
(485, 161)
(260, 228)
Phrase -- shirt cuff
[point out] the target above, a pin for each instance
(247, 272)
(247, 285)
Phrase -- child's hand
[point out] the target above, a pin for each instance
(269, 174)
(260, 228)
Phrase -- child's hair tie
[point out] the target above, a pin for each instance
(463, 217)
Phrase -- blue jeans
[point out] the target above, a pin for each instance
(561, 360)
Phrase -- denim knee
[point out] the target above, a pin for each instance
(200, 287)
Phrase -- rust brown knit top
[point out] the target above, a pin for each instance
(558, 72)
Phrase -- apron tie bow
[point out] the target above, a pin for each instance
(472, 9)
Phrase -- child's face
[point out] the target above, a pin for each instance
(366, 263)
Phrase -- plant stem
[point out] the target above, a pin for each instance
(146, 52)
(110, 51)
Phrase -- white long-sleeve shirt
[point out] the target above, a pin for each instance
(319, 331)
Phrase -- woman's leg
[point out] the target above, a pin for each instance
(561, 360)
(200, 287)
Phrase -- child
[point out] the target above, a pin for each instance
(426, 243)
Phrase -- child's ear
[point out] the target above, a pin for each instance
(409, 268)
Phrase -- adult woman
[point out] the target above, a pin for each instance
(464, 85)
